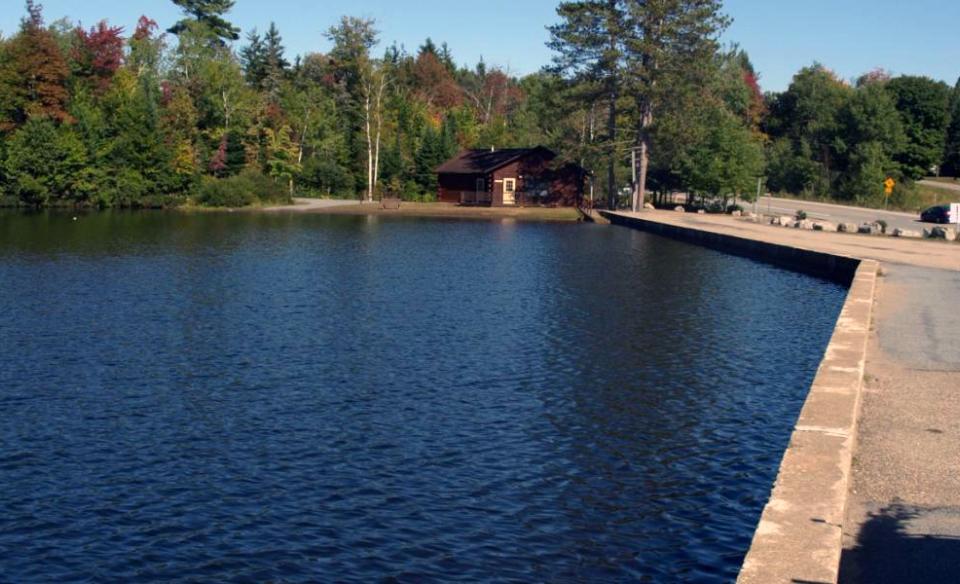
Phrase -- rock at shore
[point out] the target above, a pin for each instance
(947, 233)
(824, 226)
(906, 233)
(679, 209)
(848, 228)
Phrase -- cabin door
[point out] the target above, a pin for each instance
(509, 191)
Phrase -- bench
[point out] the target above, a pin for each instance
(390, 203)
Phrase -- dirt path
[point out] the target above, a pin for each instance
(312, 205)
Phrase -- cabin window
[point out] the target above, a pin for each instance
(509, 185)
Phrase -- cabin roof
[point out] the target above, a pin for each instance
(484, 161)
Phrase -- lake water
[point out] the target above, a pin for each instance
(293, 398)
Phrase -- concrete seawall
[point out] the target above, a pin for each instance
(834, 267)
(800, 534)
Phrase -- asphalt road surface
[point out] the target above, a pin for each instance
(838, 213)
(954, 186)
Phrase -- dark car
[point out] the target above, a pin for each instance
(938, 214)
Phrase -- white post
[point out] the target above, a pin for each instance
(756, 202)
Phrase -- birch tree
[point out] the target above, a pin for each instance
(375, 82)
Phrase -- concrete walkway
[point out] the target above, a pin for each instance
(902, 518)
(915, 252)
(903, 514)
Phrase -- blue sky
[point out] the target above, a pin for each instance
(849, 36)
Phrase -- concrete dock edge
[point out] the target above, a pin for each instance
(834, 267)
(800, 534)
(799, 537)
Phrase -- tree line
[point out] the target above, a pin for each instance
(695, 118)
(831, 138)
(193, 112)
(643, 93)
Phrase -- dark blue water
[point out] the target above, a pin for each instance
(309, 398)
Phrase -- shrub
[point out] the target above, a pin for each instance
(224, 192)
(733, 208)
(241, 190)
(327, 178)
(715, 207)
(801, 215)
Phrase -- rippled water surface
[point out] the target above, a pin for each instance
(279, 398)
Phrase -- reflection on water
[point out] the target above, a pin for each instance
(302, 398)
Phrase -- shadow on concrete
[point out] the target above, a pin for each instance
(905, 544)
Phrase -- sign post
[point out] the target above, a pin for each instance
(888, 190)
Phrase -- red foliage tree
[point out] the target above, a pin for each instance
(435, 85)
(758, 107)
(98, 54)
(146, 29)
(34, 74)
(218, 164)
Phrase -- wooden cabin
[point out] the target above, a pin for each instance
(510, 177)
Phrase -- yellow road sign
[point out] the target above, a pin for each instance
(889, 184)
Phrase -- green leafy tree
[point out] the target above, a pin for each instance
(870, 135)
(923, 106)
(869, 166)
(806, 116)
(727, 161)
(951, 159)
(138, 160)
(352, 39)
(45, 164)
(282, 163)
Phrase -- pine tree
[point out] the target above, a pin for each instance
(590, 45)
(275, 65)
(253, 59)
(670, 46)
(208, 13)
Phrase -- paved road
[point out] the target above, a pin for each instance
(923, 333)
(955, 186)
(839, 213)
